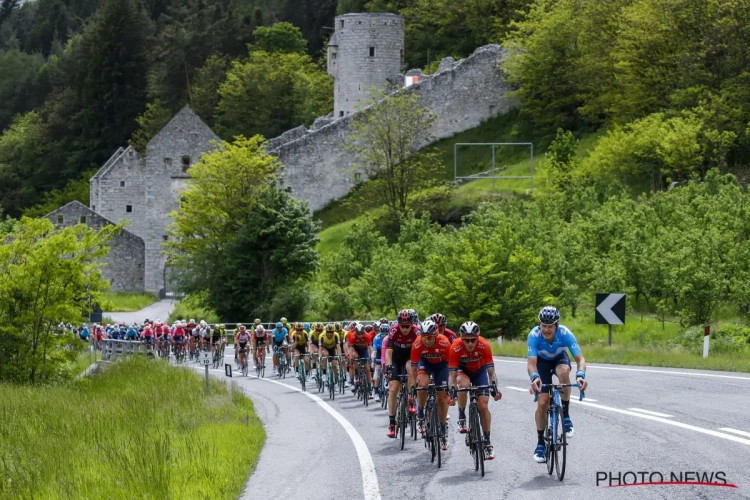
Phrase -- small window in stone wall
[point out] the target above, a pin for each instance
(128, 208)
(165, 237)
(492, 109)
(372, 51)
(341, 113)
(83, 219)
(342, 23)
(167, 162)
(185, 163)
(93, 207)
(60, 219)
(122, 184)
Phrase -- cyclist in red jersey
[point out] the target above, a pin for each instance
(470, 363)
(397, 356)
(359, 345)
(440, 320)
(429, 355)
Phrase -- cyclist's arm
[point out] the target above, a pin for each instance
(492, 375)
(531, 365)
(388, 357)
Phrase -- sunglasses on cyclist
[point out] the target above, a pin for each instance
(401, 325)
(469, 340)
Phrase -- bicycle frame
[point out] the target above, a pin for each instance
(555, 442)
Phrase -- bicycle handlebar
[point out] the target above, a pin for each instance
(581, 394)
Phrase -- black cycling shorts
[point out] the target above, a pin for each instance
(401, 359)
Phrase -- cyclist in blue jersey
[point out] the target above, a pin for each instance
(280, 337)
(377, 345)
(546, 355)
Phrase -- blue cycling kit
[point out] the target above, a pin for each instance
(539, 347)
(377, 346)
(279, 335)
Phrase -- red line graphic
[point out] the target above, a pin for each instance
(675, 483)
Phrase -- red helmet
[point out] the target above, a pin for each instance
(404, 318)
(439, 319)
(369, 329)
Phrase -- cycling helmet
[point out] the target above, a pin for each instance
(384, 327)
(203, 322)
(222, 326)
(369, 329)
(383, 320)
(279, 325)
(439, 319)
(469, 329)
(414, 316)
(260, 329)
(337, 326)
(549, 316)
(429, 327)
(359, 329)
(283, 320)
(257, 321)
(298, 327)
(329, 327)
(404, 318)
(242, 328)
(318, 327)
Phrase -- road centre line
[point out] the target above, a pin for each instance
(666, 421)
(747, 379)
(367, 465)
(649, 412)
(735, 431)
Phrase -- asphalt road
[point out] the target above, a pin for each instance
(158, 310)
(321, 449)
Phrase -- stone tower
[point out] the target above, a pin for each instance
(366, 50)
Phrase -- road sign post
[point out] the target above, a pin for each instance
(610, 310)
(206, 361)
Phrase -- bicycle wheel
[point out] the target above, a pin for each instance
(331, 385)
(478, 441)
(432, 434)
(548, 440)
(302, 374)
(366, 392)
(402, 410)
(560, 450)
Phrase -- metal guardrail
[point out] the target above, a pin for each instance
(113, 350)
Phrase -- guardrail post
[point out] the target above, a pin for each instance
(500, 337)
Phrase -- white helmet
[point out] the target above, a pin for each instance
(260, 329)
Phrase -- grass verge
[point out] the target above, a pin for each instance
(128, 302)
(141, 430)
(674, 357)
(186, 310)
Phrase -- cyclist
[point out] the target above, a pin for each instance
(359, 341)
(178, 337)
(132, 332)
(148, 334)
(216, 337)
(260, 339)
(313, 336)
(440, 320)
(429, 355)
(470, 363)
(299, 345)
(546, 355)
(397, 358)
(285, 324)
(280, 337)
(243, 338)
(377, 348)
(329, 346)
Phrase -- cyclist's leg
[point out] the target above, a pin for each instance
(366, 356)
(562, 371)
(440, 373)
(479, 377)
(544, 368)
(463, 382)
(353, 357)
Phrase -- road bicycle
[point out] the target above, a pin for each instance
(403, 416)
(331, 377)
(218, 358)
(280, 353)
(243, 360)
(319, 374)
(342, 375)
(433, 430)
(302, 371)
(260, 361)
(475, 435)
(555, 439)
(361, 387)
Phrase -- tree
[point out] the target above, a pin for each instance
(560, 156)
(47, 276)
(280, 38)
(220, 194)
(274, 246)
(269, 93)
(156, 116)
(387, 139)
(113, 94)
(205, 90)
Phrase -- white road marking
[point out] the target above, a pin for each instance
(735, 431)
(649, 412)
(516, 388)
(747, 379)
(367, 465)
(668, 422)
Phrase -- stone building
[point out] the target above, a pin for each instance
(462, 94)
(145, 190)
(365, 51)
(124, 264)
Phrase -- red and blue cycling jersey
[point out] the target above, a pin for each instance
(397, 338)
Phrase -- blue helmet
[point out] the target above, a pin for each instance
(306, 326)
(384, 327)
(279, 325)
(549, 315)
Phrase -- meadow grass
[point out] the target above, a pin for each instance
(128, 302)
(186, 310)
(140, 430)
